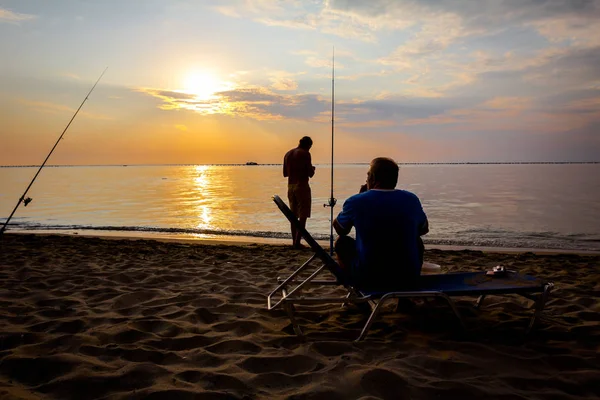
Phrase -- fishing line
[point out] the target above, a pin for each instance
(332, 200)
(27, 200)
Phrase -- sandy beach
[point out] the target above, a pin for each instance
(92, 318)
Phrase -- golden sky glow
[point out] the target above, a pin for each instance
(226, 82)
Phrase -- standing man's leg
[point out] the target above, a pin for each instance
(294, 234)
(294, 207)
(303, 196)
(298, 236)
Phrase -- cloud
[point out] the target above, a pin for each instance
(322, 62)
(508, 103)
(354, 77)
(304, 52)
(167, 94)
(486, 14)
(434, 24)
(490, 110)
(317, 60)
(433, 37)
(368, 124)
(283, 80)
(14, 17)
(432, 31)
(284, 84)
(564, 67)
(228, 11)
(585, 105)
(567, 68)
(579, 31)
(350, 31)
(504, 114)
(302, 22)
(301, 15)
(259, 103)
(421, 105)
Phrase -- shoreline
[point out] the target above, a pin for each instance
(248, 240)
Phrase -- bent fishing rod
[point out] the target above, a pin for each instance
(332, 200)
(27, 200)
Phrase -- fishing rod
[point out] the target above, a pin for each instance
(27, 200)
(332, 200)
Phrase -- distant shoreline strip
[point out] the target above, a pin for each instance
(253, 165)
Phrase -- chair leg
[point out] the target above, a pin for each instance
(539, 307)
(536, 314)
(372, 304)
(376, 307)
(289, 309)
(479, 301)
(347, 296)
(372, 317)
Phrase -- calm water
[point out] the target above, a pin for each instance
(552, 206)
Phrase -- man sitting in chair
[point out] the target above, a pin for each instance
(388, 250)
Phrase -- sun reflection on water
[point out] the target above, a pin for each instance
(203, 209)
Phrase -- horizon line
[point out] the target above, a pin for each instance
(278, 164)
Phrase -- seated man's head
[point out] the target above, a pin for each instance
(305, 143)
(383, 173)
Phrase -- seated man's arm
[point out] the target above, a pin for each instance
(341, 230)
(422, 218)
(345, 220)
(424, 228)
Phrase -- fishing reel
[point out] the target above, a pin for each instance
(331, 202)
(27, 201)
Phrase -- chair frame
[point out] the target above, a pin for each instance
(288, 293)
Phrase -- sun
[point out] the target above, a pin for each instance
(203, 85)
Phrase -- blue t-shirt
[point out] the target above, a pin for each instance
(387, 224)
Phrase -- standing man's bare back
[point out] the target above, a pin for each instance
(298, 168)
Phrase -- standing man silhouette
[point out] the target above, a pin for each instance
(298, 168)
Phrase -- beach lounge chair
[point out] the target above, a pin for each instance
(289, 291)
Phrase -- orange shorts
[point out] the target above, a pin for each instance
(300, 199)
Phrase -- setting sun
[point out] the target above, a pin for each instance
(203, 84)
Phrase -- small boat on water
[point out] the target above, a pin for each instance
(251, 163)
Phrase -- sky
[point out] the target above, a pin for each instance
(203, 82)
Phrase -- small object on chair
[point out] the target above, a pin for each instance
(498, 270)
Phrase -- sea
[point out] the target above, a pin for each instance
(523, 206)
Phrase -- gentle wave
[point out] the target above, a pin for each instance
(467, 238)
(191, 231)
